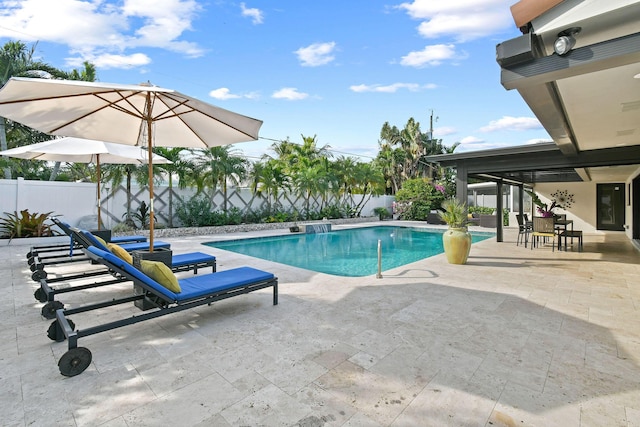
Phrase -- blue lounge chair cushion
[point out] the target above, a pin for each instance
(128, 239)
(197, 286)
(129, 247)
(192, 287)
(190, 258)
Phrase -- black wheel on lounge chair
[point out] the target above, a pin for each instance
(38, 275)
(36, 267)
(49, 309)
(74, 361)
(29, 254)
(55, 333)
(40, 295)
(30, 261)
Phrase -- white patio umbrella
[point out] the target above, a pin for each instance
(143, 115)
(80, 150)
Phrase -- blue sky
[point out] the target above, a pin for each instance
(336, 69)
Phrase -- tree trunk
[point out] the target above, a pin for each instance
(54, 171)
(3, 145)
(170, 200)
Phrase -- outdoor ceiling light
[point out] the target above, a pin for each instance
(566, 40)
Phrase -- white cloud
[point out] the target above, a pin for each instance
(463, 20)
(392, 88)
(224, 93)
(471, 140)
(108, 60)
(316, 54)
(104, 30)
(444, 131)
(538, 140)
(289, 93)
(253, 13)
(430, 56)
(512, 123)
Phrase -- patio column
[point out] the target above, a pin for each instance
(462, 187)
(499, 204)
(521, 200)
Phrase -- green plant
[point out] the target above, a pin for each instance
(196, 212)
(25, 224)
(481, 210)
(454, 213)
(381, 212)
(122, 227)
(142, 214)
(416, 198)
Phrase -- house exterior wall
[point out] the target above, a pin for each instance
(583, 211)
(629, 207)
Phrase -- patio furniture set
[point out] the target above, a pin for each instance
(544, 228)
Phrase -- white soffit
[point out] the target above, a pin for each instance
(603, 107)
(600, 20)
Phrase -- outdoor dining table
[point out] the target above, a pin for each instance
(562, 224)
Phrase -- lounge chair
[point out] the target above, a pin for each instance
(39, 257)
(85, 239)
(159, 300)
(46, 293)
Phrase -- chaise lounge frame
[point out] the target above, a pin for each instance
(165, 302)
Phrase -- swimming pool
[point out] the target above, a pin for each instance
(352, 253)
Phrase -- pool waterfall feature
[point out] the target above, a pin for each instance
(324, 227)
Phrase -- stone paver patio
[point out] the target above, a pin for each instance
(517, 337)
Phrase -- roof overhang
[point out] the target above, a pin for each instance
(536, 163)
(588, 99)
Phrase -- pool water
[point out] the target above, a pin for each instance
(352, 253)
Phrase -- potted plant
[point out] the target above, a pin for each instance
(456, 240)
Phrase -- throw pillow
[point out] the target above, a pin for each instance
(120, 253)
(101, 240)
(162, 274)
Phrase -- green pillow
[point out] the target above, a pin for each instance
(162, 274)
(119, 252)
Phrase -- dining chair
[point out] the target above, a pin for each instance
(543, 227)
(524, 229)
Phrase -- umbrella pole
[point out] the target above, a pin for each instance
(149, 136)
(98, 172)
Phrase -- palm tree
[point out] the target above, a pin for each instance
(370, 182)
(114, 174)
(179, 167)
(268, 178)
(219, 166)
(16, 59)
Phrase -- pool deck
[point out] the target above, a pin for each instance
(516, 337)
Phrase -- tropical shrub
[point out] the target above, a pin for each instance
(416, 199)
(454, 213)
(142, 215)
(481, 210)
(381, 212)
(25, 224)
(195, 212)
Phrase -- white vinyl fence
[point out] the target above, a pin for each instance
(76, 201)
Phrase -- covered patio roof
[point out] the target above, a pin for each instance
(543, 162)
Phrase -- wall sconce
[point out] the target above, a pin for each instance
(566, 41)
